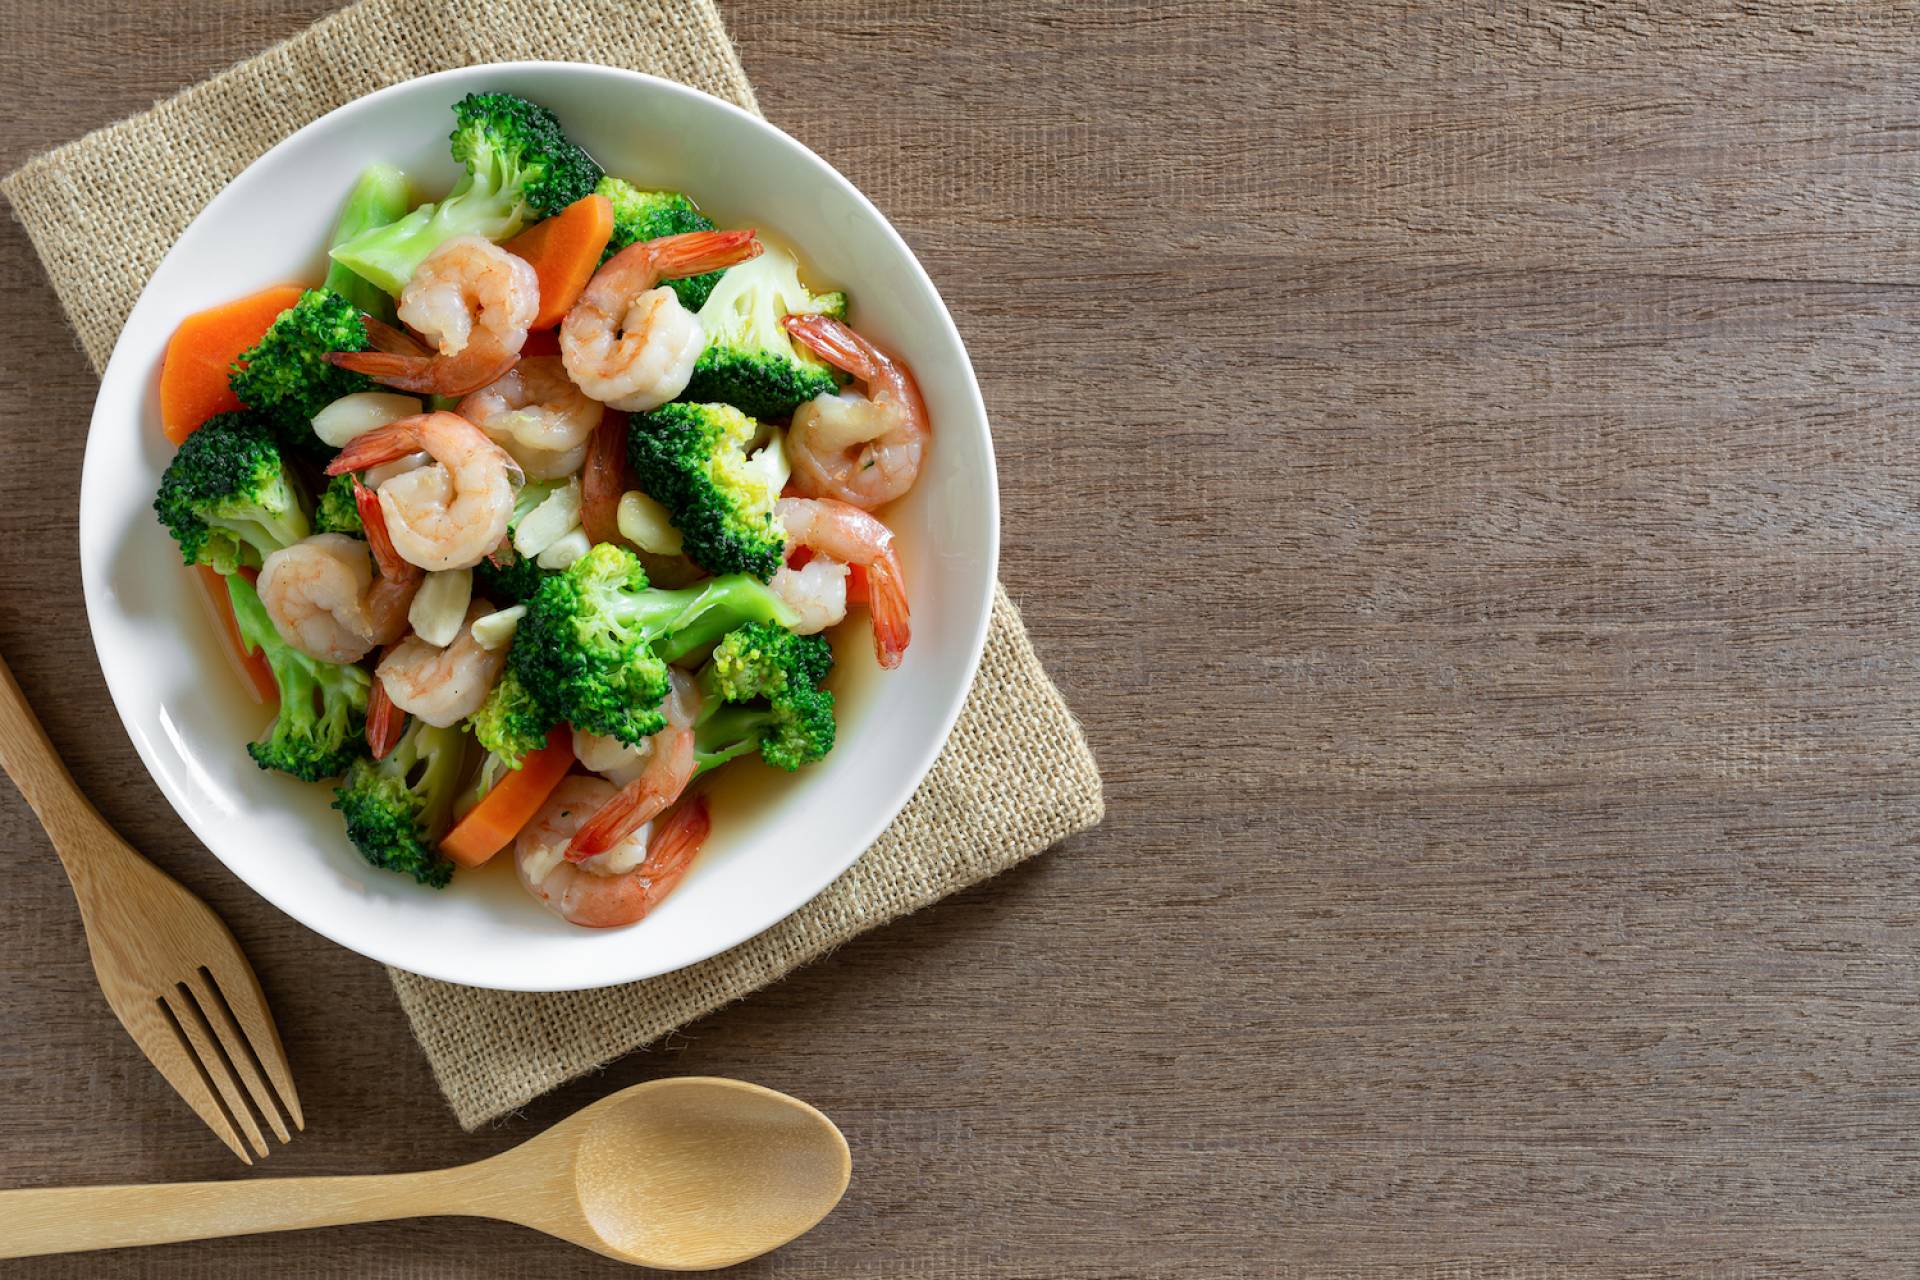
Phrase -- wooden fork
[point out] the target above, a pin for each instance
(171, 971)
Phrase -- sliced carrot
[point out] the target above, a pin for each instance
(542, 342)
(256, 677)
(497, 819)
(564, 251)
(193, 376)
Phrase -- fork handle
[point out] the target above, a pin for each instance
(42, 1220)
(30, 760)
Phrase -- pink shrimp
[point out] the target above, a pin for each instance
(450, 513)
(861, 449)
(664, 773)
(614, 888)
(840, 534)
(629, 343)
(473, 301)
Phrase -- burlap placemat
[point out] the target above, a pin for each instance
(1015, 777)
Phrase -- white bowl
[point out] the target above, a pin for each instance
(777, 839)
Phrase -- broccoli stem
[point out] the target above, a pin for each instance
(693, 619)
(380, 197)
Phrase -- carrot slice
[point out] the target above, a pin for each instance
(497, 819)
(193, 376)
(256, 677)
(564, 250)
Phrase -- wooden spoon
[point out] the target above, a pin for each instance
(685, 1175)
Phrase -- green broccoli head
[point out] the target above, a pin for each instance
(760, 691)
(692, 459)
(511, 722)
(319, 730)
(227, 496)
(286, 377)
(750, 361)
(397, 809)
(506, 575)
(596, 641)
(521, 167)
(337, 512)
(648, 215)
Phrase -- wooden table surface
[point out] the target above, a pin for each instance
(1453, 465)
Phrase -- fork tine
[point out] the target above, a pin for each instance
(236, 987)
(194, 1027)
(214, 1008)
(154, 1029)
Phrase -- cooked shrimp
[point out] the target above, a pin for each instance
(450, 513)
(325, 601)
(442, 685)
(618, 886)
(864, 449)
(837, 531)
(472, 301)
(630, 344)
(536, 414)
(817, 591)
(649, 783)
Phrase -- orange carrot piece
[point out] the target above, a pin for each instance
(493, 823)
(564, 250)
(256, 677)
(193, 376)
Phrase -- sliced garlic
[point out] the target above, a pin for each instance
(566, 550)
(644, 523)
(440, 605)
(547, 523)
(495, 630)
(359, 413)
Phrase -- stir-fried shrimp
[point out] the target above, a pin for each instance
(629, 343)
(838, 531)
(472, 301)
(450, 513)
(864, 449)
(442, 685)
(536, 414)
(325, 601)
(618, 886)
(655, 781)
(817, 591)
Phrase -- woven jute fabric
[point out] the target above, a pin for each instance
(1015, 777)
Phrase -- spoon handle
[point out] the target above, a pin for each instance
(42, 1220)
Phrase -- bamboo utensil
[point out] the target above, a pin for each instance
(686, 1174)
(170, 970)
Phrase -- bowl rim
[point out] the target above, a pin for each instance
(97, 594)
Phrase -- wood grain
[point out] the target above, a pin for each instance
(1456, 466)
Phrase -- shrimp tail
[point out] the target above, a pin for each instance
(837, 344)
(426, 374)
(676, 840)
(384, 720)
(887, 603)
(371, 448)
(631, 807)
(373, 519)
(392, 339)
(695, 253)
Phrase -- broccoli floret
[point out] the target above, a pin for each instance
(506, 575)
(521, 167)
(337, 512)
(760, 690)
(320, 727)
(648, 215)
(286, 376)
(692, 460)
(511, 722)
(596, 641)
(228, 498)
(398, 808)
(750, 361)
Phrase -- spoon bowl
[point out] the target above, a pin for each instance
(686, 1174)
(693, 1173)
